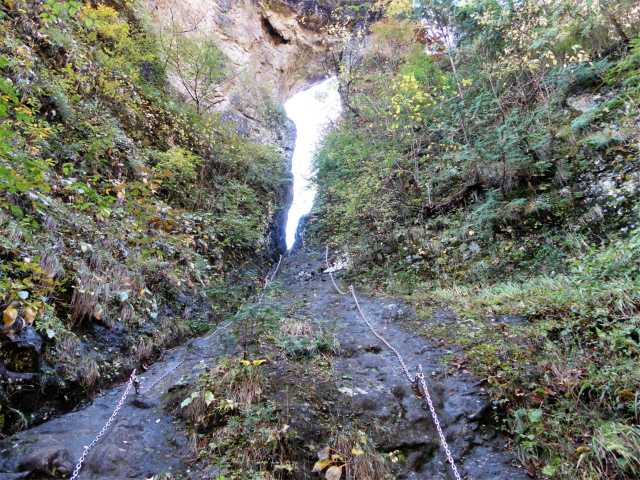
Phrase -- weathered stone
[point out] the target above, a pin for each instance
(23, 353)
(52, 460)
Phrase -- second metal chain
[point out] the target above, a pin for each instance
(163, 376)
(418, 377)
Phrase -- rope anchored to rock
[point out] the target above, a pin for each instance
(326, 256)
(418, 379)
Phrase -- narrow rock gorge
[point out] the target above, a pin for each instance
(462, 301)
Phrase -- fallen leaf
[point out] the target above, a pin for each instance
(10, 314)
(537, 397)
(321, 465)
(334, 473)
(356, 451)
(324, 453)
(29, 314)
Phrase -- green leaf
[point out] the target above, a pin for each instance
(23, 295)
(534, 415)
(208, 398)
(123, 296)
(190, 399)
(88, 22)
(321, 465)
(16, 210)
(72, 11)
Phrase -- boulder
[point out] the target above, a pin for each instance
(23, 353)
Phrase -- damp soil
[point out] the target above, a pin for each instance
(360, 385)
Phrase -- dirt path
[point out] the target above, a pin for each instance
(364, 388)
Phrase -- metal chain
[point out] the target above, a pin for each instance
(133, 381)
(163, 376)
(419, 376)
(76, 471)
(404, 367)
(326, 256)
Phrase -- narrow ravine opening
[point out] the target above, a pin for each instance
(311, 111)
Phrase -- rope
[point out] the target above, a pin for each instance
(228, 324)
(414, 380)
(132, 379)
(326, 256)
(268, 281)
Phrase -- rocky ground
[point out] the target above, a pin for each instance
(360, 385)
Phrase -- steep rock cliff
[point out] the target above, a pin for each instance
(272, 50)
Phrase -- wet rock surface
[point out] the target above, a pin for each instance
(369, 389)
(363, 388)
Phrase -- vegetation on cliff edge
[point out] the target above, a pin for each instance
(121, 203)
(487, 162)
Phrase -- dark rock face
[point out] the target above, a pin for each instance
(365, 389)
(51, 460)
(23, 354)
(370, 391)
(277, 234)
(35, 389)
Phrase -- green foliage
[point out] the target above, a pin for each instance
(486, 162)
(198, 63)
(235, 428)
(115, 198)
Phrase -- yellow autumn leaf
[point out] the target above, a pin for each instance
(321, 465)
(10, 314)
(246, 362)
(29, 314)
(356, 451)
(259, 362)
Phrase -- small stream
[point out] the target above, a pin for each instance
(311, 110)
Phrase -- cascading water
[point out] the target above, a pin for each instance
(311, 111)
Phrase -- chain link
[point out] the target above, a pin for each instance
(414, 380)
(420, 376)
(76, 470)
(326, 256)
(163, 376)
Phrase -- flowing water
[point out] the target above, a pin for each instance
(311, 110)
